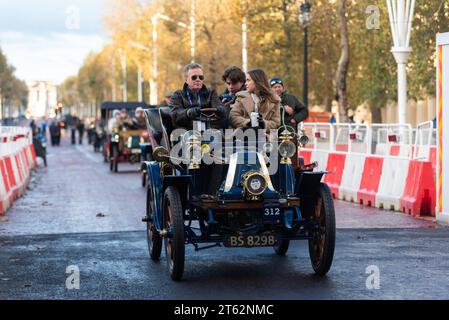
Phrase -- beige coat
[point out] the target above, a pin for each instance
(244, 105)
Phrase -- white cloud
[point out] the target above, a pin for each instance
(11, 36)
(52, 57)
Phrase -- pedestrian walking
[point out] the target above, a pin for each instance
(80, 128)
(55, 134)
(73, 125)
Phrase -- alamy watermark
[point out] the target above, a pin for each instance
(73, 18)
(72, 282)
(373, 20)
(373, 279)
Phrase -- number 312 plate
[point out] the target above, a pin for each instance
(271, 215)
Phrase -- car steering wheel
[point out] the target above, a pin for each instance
(209, 115)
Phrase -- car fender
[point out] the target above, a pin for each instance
(155, 186)
(307, 189)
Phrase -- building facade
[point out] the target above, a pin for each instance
(42, 99)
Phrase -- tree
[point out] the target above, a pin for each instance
(13, 91)
(343, 63)
(431, 17)
(275, 42)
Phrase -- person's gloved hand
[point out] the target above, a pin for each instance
(261, 122)
(193, 113)
(221, 111)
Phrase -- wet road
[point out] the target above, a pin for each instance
(76, 213)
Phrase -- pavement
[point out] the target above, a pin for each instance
(76, 215)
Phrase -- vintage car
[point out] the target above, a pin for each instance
(234, 202)
(126, 145)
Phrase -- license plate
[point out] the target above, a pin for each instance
(251, 241)
(136, 151)
(271, 215)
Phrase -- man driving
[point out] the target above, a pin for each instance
(186, 104)
(139, 120)
(124, 121)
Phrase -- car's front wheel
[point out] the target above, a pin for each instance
(153, 237)
(322, 246)
(174, 225)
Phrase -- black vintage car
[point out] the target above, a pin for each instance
(237, 201)
(125, 145)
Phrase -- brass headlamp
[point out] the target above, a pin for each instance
(287, 148)
(194, 151)
(254, 185)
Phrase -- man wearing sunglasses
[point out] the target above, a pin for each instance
(186, 104)
(292, 111)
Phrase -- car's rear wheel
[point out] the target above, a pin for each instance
(322, 246)
(174, 224)
(282, 247)
(153, 237)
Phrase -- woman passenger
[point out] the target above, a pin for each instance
(260, 100)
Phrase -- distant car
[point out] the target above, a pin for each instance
(127, 145)
(249, 208)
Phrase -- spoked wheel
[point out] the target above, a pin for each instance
(282, 247)
(153, 237)
(174, 224)
(321, 248)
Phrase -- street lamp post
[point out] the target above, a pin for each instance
(304, 20)
(154, 72)
(245, 44)
(401, 17)
(193, 31)
(153, 80)
(123, 64)
(191, 27)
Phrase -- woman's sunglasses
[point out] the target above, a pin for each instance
(194, 78)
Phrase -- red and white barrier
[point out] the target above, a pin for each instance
(418, 199)
(336, 165)
(352, 177)
(397, 177)
(5, 190)
(392, 183)
(17, 160)
(369, 185)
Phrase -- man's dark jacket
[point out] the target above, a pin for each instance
(180, 103)
(300, 111)
(228, 93)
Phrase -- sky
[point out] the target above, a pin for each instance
(49, 39)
